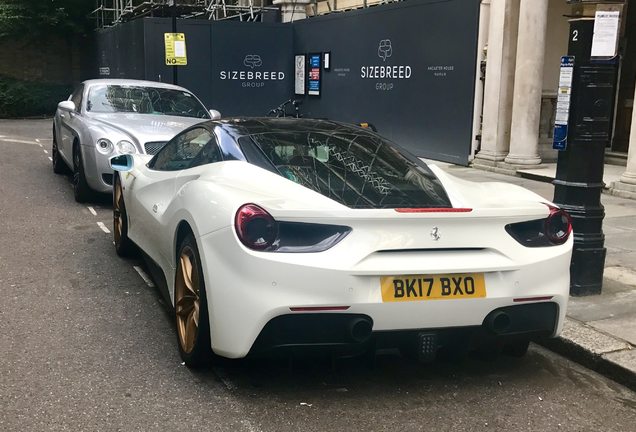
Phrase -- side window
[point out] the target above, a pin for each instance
(76, 97)
(209, 154)
(182, 151)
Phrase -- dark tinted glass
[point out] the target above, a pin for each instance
(359, 170)
(144, 100)
(191, 148)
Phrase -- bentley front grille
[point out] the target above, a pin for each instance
(153, 147)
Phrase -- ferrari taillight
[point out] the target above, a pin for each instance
(258, 230)
(255, 228)
(558, 225)
(553, 230)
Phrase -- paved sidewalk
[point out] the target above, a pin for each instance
(600, 331)
(547, 172)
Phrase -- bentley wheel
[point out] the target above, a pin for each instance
(81, 190)
(193, 329)
(123, 245)
(59, 167)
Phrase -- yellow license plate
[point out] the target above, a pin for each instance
(432, 287)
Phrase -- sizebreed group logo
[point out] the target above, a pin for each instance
(253, 61)
(386, 71)
(255, 76)
(385, 50)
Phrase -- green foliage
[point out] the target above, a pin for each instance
(39, 18)
(29, 99)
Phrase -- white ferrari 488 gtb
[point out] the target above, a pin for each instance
(289, 234)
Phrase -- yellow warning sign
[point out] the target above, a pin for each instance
(175, 49)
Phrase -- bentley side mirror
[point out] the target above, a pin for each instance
(215, 114)
(121, 163)
(66, 105)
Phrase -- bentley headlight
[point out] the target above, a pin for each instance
(104, 146)
(126, 147)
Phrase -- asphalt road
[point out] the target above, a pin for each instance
(87, 345)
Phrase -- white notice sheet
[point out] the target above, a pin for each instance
(605, 38)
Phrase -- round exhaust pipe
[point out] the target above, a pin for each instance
(360, 329)
(498, 322)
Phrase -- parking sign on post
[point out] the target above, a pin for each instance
(175, 49)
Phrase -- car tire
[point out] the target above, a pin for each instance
(59, 167)
(123, 245)
(81, 190)
(517, 348)
(489, 350)
(191, 308)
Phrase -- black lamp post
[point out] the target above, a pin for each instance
(579, 177)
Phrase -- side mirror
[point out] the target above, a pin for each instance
(215, 114)
(66, 105)
(121, 163)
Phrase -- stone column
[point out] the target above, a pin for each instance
(502, 47)
(626, 186)
(482, 42)
(292, 10)
(526, 104)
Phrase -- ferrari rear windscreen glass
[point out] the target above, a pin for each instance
(359, 170)
(144, 100)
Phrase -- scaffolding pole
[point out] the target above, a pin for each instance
(112, 12)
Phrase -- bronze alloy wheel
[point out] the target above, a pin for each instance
(187, 299)
(191, 306)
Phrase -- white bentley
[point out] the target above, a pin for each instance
(107, 117)
(293, 234)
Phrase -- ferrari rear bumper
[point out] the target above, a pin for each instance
(346, 333)
(260, 300)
